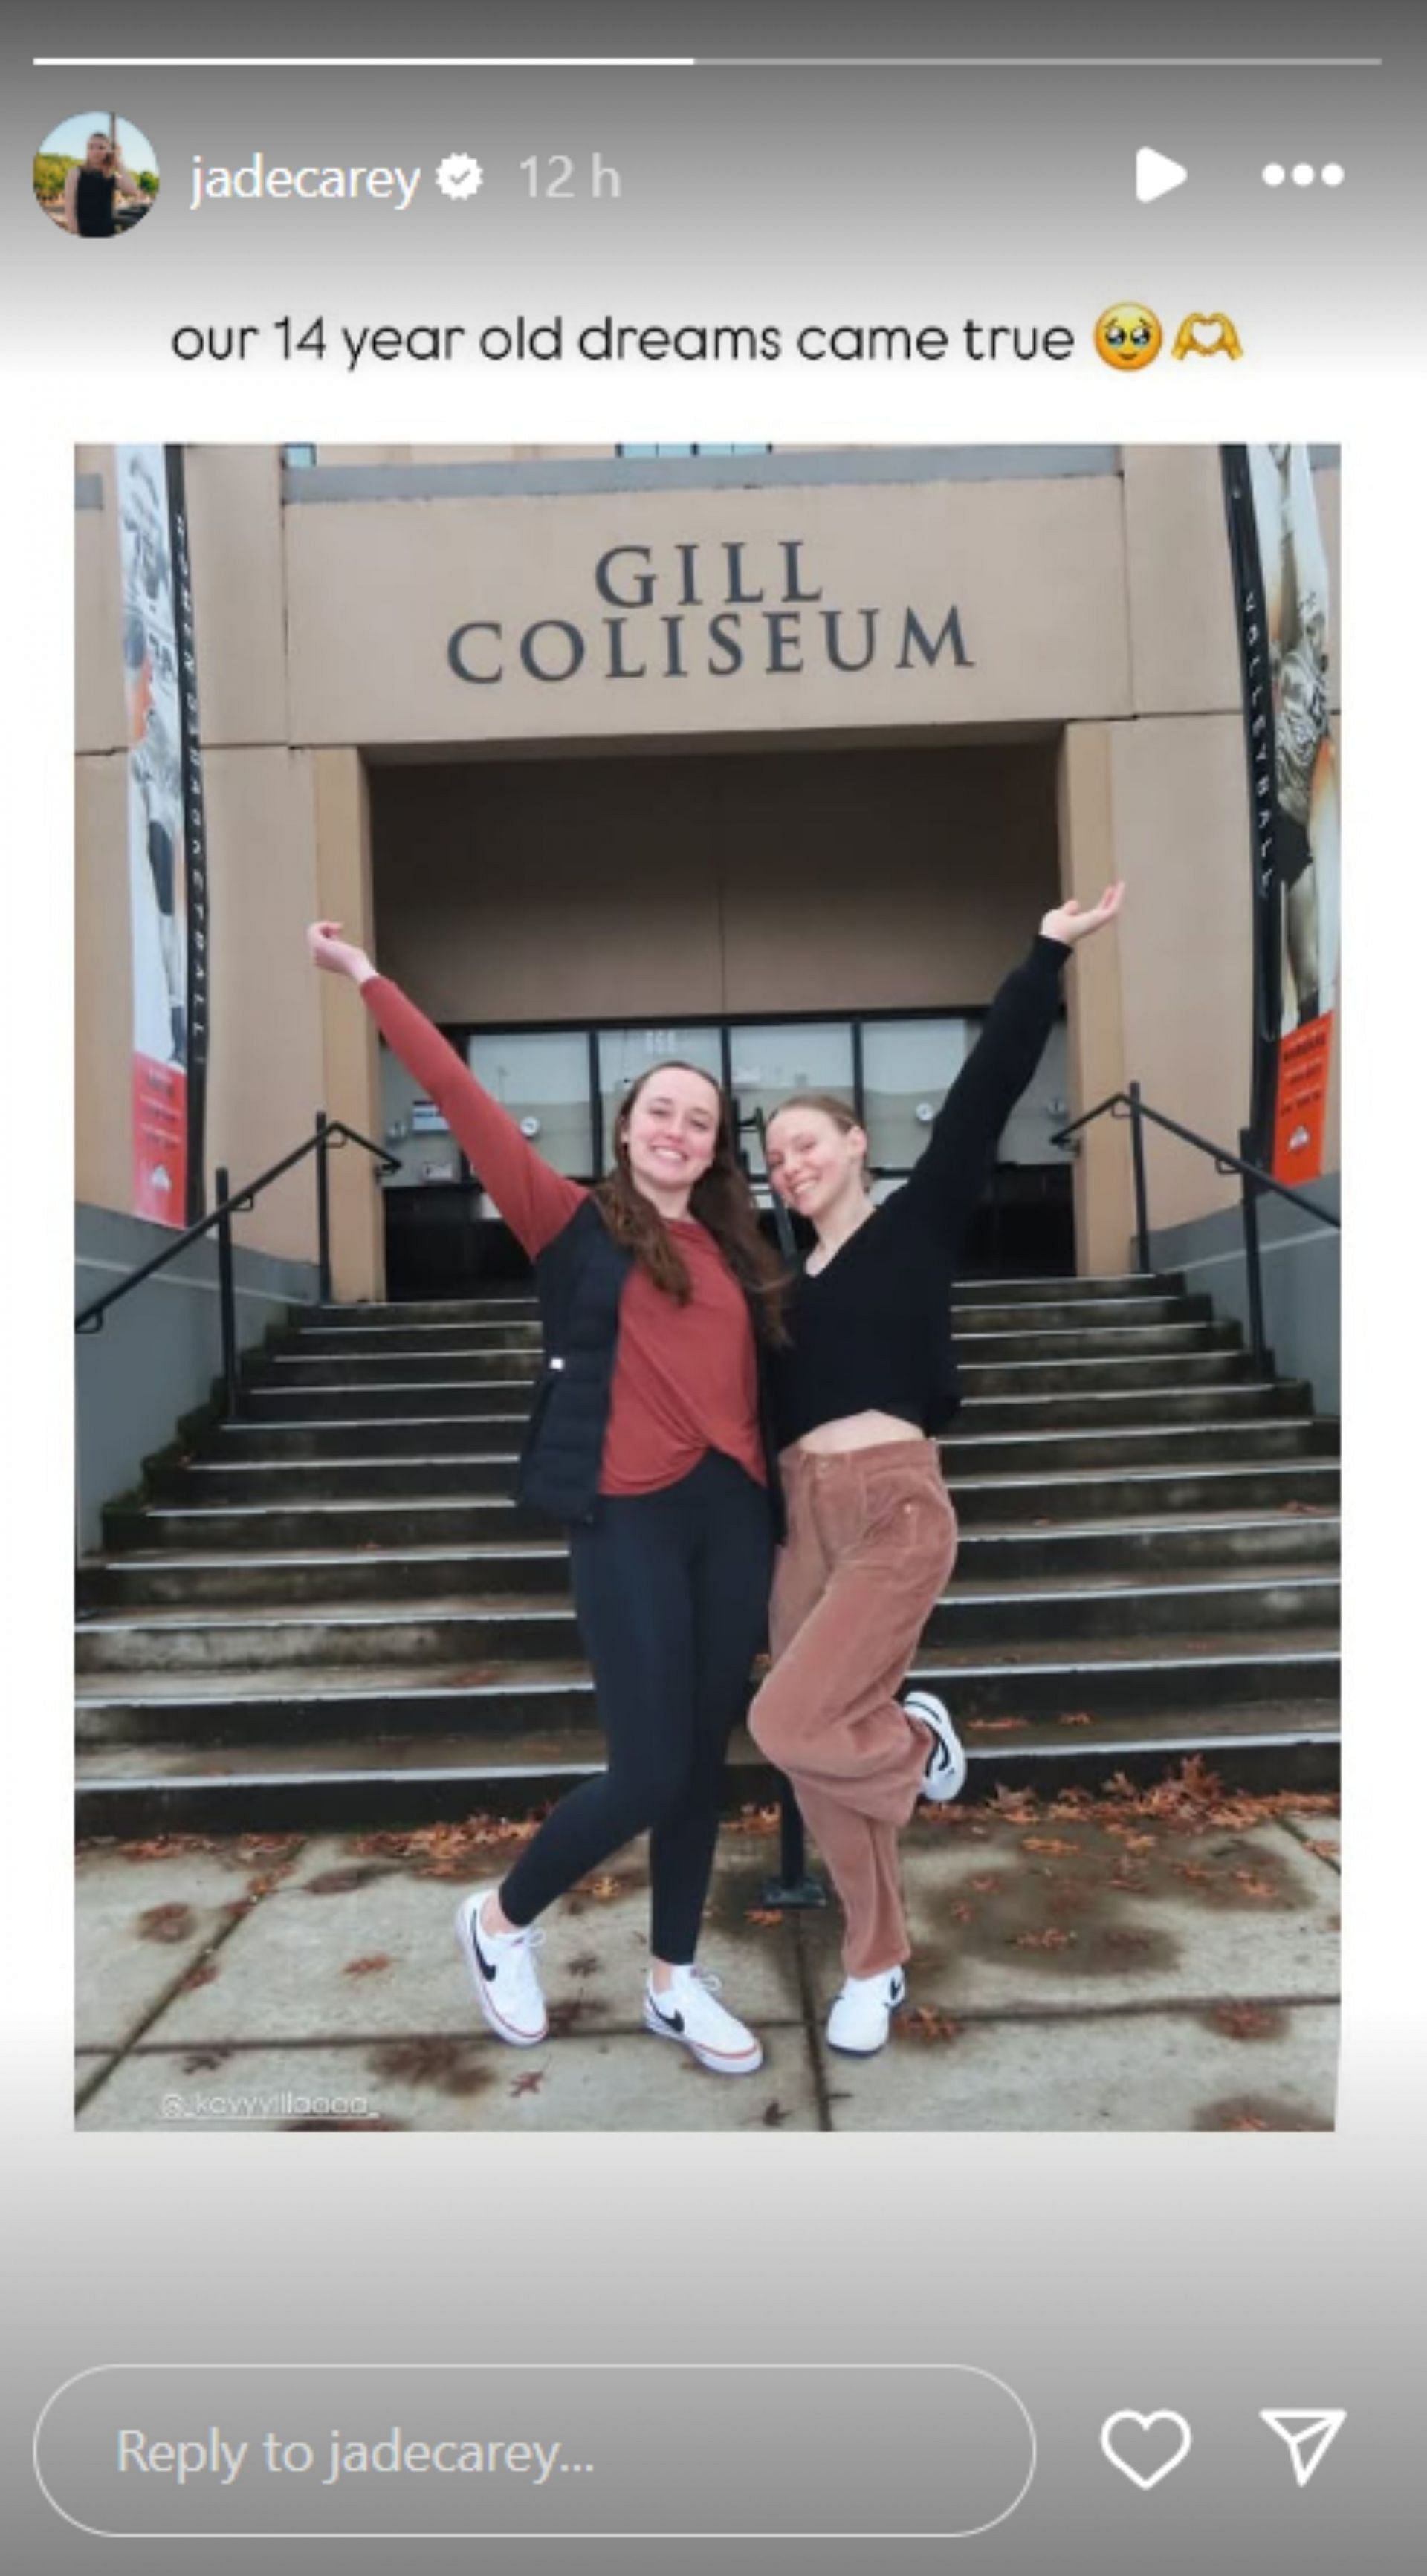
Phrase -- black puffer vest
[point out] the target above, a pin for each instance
(579, 1280)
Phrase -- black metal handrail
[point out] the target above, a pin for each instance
(1254, 1179)
(328, 1133)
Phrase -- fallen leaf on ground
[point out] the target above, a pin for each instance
(342, 1882)
(773, 2115)
(368, 1967)
(451, 1850)
(1052, 1938)
(764, 1914)
(1244, 2021)
(562, 2016)
(1048, 1843)
(1075, 1717)
(530, 2083)
(166, 1923)
(926, 2024)
(1017, 1806)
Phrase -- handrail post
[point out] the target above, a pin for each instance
(1142, 1203)
(1249, 1192)
(324, 1216)
(226, 1307)
(794, 1884)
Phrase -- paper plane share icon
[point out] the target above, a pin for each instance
(1308, 2431)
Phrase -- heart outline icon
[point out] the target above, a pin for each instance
(1128, 2415)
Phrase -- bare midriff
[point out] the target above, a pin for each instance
(853, 1431)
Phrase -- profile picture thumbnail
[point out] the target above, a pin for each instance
(96, 174)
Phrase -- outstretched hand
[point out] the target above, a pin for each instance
(328, 949)
(1072, 921)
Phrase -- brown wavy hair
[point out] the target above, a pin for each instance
(720, 1199)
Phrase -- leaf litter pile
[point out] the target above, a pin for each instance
(1050, 1887)
(1192, 1800)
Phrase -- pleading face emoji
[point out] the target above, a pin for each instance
(1128, 336)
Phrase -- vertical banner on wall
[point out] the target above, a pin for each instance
(1280, 572)
(168, 894)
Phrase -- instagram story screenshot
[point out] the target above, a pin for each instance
(713, 1384)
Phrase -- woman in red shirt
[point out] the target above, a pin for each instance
(671, 1562)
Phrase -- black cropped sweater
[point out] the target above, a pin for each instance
(871, 1333)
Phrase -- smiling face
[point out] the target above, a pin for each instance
(669, 1129)
(815, 1162)
(1128, 336)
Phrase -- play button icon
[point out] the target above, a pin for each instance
(1156, 174)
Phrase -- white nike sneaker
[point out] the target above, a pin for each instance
(689, 2010)
(945, 1774)
(860, 2021)
(503, 1973)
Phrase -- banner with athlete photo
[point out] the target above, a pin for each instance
(166, 846)
(1280, 570)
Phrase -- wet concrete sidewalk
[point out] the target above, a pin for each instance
(1080, 1966)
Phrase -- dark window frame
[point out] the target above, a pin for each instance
(460, 1032)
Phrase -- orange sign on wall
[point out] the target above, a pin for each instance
(1301, 1106)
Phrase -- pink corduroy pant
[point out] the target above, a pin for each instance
(871, 1541)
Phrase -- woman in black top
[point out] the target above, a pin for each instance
(90, 190)
(871, 1539)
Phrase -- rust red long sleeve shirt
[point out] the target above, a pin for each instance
(685, 1377)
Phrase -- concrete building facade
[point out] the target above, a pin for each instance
(777, 755)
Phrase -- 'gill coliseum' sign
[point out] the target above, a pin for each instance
(713, 608)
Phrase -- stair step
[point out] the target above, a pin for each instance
(290, 1702)
(423, 1472)
(355, 1781)
(980, 1315)
(501, 1628)
(435, 1397)
(426, 1433)
(1095, 1552)
(1112, 1286)
(515, 1355)
(1300, 1483)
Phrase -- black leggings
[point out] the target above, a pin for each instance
(671, 1592)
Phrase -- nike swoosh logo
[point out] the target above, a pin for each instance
(483, 1963)
(671, 2021)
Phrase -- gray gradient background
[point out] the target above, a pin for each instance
(754, 195)
(1216, 2276)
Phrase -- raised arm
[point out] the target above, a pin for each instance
(947, 1183)
(534, 1201)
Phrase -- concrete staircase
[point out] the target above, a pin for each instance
(332, 1614)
